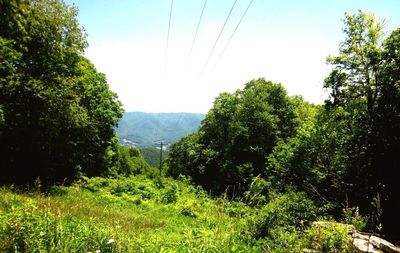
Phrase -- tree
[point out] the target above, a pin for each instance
(355, 69)
(58, 111)
(291, 164)
(130, 162)
(353, 85)
(234, 139)
(364, 85)
(182, 156)
(386, 129)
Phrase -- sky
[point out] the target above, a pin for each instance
(283, 41)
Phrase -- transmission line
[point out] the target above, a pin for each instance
(169, 28)
(233, 33)
(195, 35)
(216, 41)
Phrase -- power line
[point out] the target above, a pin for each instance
(233, 33)
(191, 50)
(195, 35)
(216, 41)
(169, 28)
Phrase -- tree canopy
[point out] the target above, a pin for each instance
(57, 112)
(236, 136)
(365, 90)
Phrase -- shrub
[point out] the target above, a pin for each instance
(291, 209)
(284, 240)
(258, 192)
(169, 196)
(351, 215)
(330, 238)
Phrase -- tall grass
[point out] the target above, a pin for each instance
(137, 214)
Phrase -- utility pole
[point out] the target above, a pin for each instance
(161, 148)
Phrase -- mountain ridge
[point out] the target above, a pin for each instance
(145, 129)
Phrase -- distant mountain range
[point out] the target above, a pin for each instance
(145, 130)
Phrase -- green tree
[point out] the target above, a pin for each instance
(58, 111)
(364, 85)
(234, 139)
(353, 84)
(291, 165)
(184, 157)
(386, 129)
(129, 162)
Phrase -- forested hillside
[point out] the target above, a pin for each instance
(255, 175)
(152, 155)
(343, 153)
(145, 130)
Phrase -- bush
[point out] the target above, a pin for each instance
(169, 196)
(289, 210)
(331, 237)
(257, 194)
(284, 240)
(351, 215)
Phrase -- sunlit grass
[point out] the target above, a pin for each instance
(100, 215)
(141, 215)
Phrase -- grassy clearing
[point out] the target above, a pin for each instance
(137, 214)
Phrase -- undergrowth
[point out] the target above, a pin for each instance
(138, 214)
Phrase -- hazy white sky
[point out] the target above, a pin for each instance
(283, 41)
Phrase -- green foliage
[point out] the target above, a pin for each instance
(354, 91)
(258, 192)
(152, 156)
(169, 196)
(183, 157)
(331, 237)
(57, 113)
(105, 214)
(292, 161)
(285, 211)
(137, 214)
(351, 215)
(27, 226)
(289, 161)
(234, 139)
(258, 141)
(129, 162)
(364, 95)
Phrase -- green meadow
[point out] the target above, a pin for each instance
(139, 214)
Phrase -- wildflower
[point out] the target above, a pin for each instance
(97, 251)
(110, 241)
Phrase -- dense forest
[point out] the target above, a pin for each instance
(262, 167)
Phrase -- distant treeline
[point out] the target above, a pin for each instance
(145, 130)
